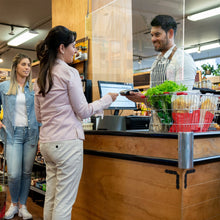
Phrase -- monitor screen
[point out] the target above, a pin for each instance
(121, 102)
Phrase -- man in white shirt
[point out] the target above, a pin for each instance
(172, 63)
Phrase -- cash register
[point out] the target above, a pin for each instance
(116, 122)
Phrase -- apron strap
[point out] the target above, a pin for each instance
(172, 53)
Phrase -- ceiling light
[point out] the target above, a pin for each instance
(23, 37)
(209, 46)
(202, 47)
(1, 60)
(204, 14)
(191, 50)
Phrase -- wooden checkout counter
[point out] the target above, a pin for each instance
(149, 176)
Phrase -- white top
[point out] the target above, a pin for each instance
(20, 111)
(181, 68)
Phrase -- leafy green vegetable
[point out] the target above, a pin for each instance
(161, 101)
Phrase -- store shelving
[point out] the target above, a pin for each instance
(37, 190)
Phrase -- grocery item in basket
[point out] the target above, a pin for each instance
(155, 123)
(207, 111)
(180, 105)
(185, 112)
(159, 98)
(185, 102)
(185, 122)
(209, 103)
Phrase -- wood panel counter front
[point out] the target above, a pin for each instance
(137, 176)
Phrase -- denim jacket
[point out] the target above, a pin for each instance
(8, 103)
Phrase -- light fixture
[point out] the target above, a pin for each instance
(23, 37)
(191, 50)
(12, 30)
(139, 60)
(210, 46)
(204, 14)
(201, 47)
(1, 60)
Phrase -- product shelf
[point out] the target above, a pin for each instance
(35, 189)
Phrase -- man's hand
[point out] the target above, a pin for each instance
(136, 97)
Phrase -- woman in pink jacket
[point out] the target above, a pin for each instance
(60, 105)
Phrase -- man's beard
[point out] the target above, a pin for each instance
(163, 45)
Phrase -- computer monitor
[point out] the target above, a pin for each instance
(87, 89)
(121, 102)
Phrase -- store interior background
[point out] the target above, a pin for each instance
(36, 15)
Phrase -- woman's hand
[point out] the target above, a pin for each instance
(2, 125)
(38, 147)
(113, 95)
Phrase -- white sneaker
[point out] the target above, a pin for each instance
(23, 212)
(13, 209)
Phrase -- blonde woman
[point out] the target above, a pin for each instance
(19, 132)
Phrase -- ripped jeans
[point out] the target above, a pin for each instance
(20, 158)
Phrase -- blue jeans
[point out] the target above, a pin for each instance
(20, 157)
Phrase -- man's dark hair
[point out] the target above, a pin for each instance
(166, 22)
